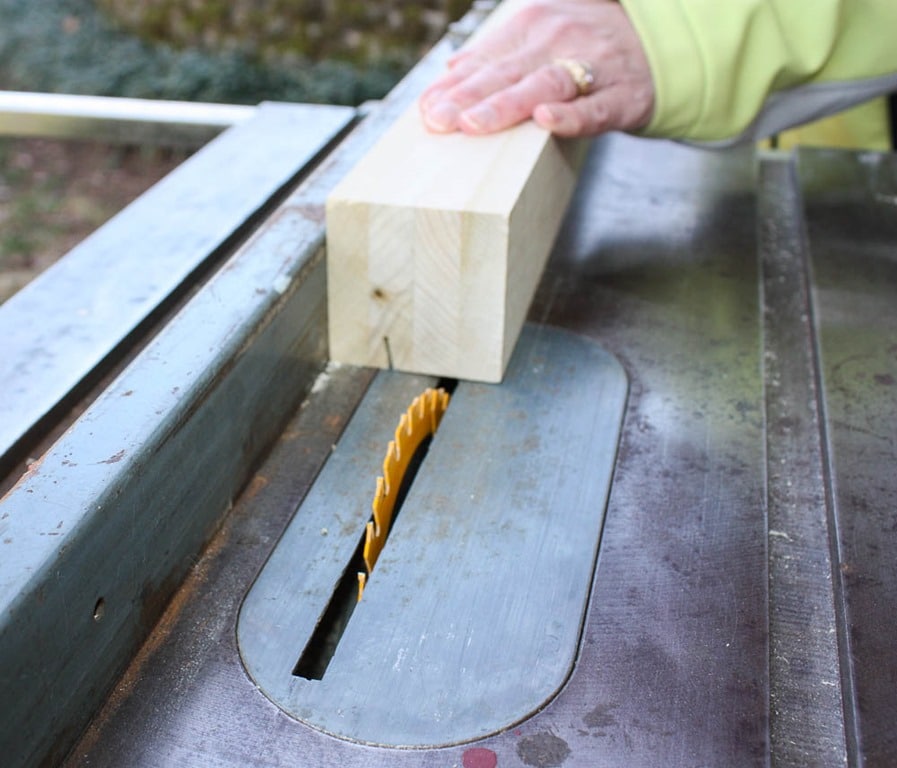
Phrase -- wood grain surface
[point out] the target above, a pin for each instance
(435, 244)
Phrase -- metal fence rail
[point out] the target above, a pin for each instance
(137, 121)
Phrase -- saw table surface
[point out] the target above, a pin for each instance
(741, 611)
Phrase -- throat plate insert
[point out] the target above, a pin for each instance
(471, 621)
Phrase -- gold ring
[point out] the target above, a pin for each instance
(580, 72)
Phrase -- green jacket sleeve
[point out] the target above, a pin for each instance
(729, 70)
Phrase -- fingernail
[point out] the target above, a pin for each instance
(442, 116)
(479, 118)
(546, 116)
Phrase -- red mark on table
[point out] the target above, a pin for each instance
(479, 758)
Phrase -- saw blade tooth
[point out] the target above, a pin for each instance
(404, 452)
(390, 464)
(379, 492)
(403, 429)
(382, 517)
(378, 504)
(418, 408)
(371, 547)
(433, 397)
(424, 405)
(418, 425)
(362, 581)
(400, 447)
(433, 410)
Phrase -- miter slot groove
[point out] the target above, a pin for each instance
(322, 645)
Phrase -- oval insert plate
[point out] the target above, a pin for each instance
(472, 619)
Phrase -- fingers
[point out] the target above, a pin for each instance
(579, 118)
(613, 108)
(443, 106)
(494, 99)
(458, 73)
(473, 74)
(516, 103)
(509, 77)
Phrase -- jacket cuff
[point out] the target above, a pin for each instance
(677, 64)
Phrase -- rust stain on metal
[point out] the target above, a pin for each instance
(313, 213)
(115, 457)
(255, 486)
(161, 608)
(32, 469)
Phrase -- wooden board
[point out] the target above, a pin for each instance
(435, 244)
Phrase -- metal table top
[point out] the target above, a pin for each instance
(741, 608)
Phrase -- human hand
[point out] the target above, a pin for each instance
(513, 74)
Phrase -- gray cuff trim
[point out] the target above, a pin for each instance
(806, 103)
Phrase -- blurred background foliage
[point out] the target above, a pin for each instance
(236, 51)
(54, 193)
(359, 31)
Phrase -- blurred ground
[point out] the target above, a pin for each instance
(55, 193)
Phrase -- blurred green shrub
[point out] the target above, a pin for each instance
(74, 46)
(359, 31)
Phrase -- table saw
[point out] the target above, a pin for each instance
(664, 539)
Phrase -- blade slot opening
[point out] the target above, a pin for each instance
(324, 640)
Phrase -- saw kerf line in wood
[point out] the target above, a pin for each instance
(435, 245)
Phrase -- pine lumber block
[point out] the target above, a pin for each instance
(435, 245)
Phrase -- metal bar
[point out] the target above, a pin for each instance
(99, 533)
(851, 202)
(806, 725)
(106, 118)
(93, 299)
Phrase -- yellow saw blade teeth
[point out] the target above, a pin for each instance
(370, 551)
(420, 421)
